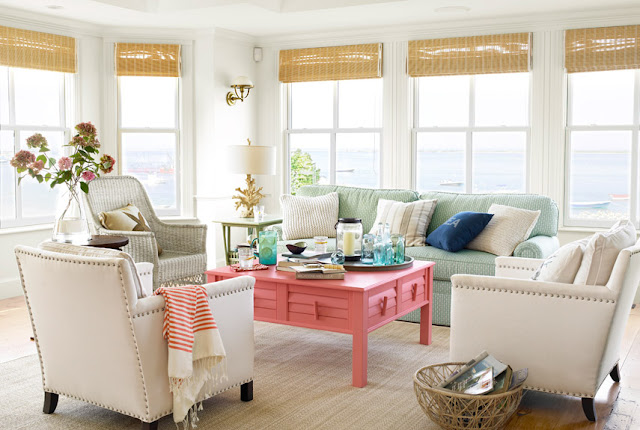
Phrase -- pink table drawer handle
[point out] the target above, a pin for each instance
(414, 291)
(383, 305)
(315, 310)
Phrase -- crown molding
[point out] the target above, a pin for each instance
(235, 36)
(47, 23)
(451, 28)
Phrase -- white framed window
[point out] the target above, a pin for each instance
(471, 133)
(149, 137)
(601, 161)
(31, 101)
(334, 133)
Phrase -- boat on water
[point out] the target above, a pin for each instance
(619, 196)
(591, 205)
(450, 183)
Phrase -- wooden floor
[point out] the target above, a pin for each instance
(617, 405)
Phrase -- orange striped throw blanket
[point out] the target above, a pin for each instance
(196, 353)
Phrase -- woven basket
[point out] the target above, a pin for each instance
(452, 410)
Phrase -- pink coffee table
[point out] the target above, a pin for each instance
(357, 305)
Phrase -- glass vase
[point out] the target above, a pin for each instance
(71, 225)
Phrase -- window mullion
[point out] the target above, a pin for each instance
(469, 136)
(332, 149)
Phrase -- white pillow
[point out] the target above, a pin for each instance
(562, 265)
(408, 219)
(305, 217)
(507, 229)
(602, 251)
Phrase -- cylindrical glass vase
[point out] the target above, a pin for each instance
(71, 225)
(349, 237)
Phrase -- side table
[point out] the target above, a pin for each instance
(248, 223)
(108, 241)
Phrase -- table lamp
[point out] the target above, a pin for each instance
(250, 160)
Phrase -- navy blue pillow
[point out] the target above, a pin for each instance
(458, 230)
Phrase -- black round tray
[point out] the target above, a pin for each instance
(359, 266)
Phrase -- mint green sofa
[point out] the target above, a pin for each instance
(363, 202)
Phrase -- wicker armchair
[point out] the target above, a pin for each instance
(184, 257)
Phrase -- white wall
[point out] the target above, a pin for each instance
(219, 58)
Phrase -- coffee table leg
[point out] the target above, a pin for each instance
(359, 357)
(425, 324)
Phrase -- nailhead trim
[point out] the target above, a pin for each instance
(528, 387)
(96, 403)
(530, 269)
(164, 414)
(215, 296)
(533, 293)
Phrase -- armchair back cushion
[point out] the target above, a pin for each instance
(358, 202)
(450, 204)
(128, 218)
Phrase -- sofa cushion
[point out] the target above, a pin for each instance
(602, 251)
(507, 229)
(304, 217)
(450, 204)
(358, 202)
(408, 219)
(459, 230)
(465, 261)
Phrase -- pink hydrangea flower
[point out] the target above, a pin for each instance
(65, 163)
(36, 141)
(78, 141)
(87, 129)
(36, 166)
(106, 163)
(22, 159)
(88, 176)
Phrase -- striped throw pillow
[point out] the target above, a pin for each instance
(305, 217)
(408, 219)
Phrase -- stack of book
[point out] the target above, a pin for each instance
(315, 270)
(484, 375)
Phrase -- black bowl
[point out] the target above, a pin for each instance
(297, 248)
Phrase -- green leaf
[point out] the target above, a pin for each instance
(21, 169)
(90, 149)
(84, 187)
(47, 176)
(42, 158)
(43, 148)
(39, 178)
(53, 184)
(52, 161)
(20, 179)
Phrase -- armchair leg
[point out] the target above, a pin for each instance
(246, 391)
(50, 402)
(589, 408)
(615, 373)
(150, 426)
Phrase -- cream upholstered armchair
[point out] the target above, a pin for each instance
(184, 257)
(567, 335)
(97, 342)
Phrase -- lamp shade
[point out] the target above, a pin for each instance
(251, 159)
(242, 81)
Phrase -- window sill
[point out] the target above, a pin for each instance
(178, 219)
(582, 229)
(25, 229)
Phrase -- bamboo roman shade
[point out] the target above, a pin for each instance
(332, 63)
(147, 59)
(34, 50)
(473, 55)
(600, 49)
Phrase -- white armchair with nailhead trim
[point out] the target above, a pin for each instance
(567, 335)
(99, 343)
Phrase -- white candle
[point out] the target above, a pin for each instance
(349, 242)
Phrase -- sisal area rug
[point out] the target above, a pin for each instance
(302, 381)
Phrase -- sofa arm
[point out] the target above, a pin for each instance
(516, 267)
(558, 331)
(537, 247)
(277, 228)
(189, 238)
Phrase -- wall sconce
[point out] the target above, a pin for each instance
(239, 85)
